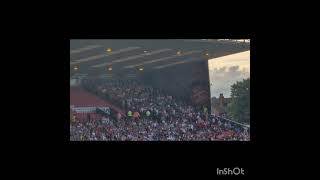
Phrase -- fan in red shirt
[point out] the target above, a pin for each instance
(136, 115)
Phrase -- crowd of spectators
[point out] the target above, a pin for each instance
(151, 115)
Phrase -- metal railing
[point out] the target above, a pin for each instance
(229, 120)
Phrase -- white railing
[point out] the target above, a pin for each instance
(236, 40)
(243, 125)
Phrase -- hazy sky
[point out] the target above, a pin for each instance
(225, 71)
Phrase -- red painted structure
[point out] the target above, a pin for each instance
(80, 98)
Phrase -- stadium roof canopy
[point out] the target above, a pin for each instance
(95, 57)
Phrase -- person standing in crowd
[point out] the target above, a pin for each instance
(118, 116)
(206, 116)
(136, 115)
(129, 114)
(108, 111)
(156, 112)
(125, 105)
(73, 118)
(122, 104)
(148, 113)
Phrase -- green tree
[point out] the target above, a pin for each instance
(239, 107)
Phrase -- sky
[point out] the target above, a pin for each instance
(225, 71)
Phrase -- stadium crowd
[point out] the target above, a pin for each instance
(151, 115)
